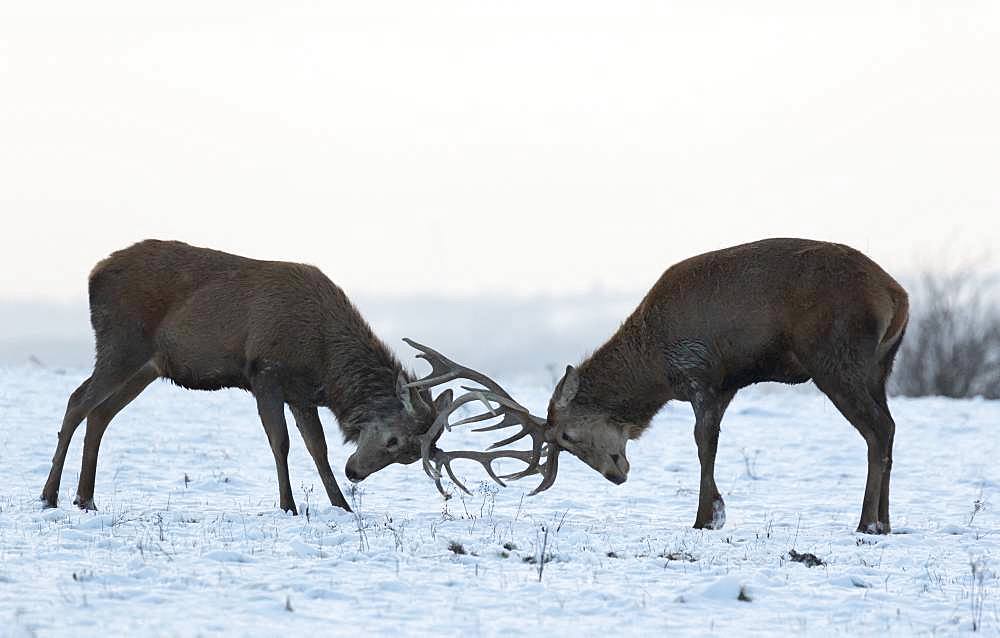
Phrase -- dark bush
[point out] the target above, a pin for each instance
(952, 344)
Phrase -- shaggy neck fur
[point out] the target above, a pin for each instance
(361, 381)
(625, 378)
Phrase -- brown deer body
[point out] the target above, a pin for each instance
(207, 320)
(786, 310)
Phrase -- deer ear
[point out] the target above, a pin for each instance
(412, 402)
(567, 388)
(443, 401)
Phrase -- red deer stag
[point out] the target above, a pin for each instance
(207, 320)
(786, 310)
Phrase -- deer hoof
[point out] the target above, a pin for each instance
(47, 503)
(876, 528)
(717, 520)
(718, 514)
(86, 505)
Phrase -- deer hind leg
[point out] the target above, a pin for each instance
(877, 392)
(110, 373)
(883, 500)
(271, 408)
(97, 423)
(709, 408)
(311, 428)
(855, 401)
(75, 413)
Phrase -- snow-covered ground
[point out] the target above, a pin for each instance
(189, 541)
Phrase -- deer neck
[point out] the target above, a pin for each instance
(361, 384)
(625, 378)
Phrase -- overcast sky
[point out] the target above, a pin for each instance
(518, 147)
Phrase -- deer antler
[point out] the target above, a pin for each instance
(514, 414)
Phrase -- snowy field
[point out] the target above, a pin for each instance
(189, 540)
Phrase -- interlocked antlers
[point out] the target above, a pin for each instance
(444, 370)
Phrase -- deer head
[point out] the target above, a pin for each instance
(588, 432)
(394, 435)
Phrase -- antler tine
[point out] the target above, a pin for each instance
(443, 459)
(513, 414)
(444, 369)
(532, 458)
(440, 423)
(485, 416)
(436, 459)
(511, 439)
(534, 466)
(502, 398)
(439, 458)
(434, 432)
(551, 469)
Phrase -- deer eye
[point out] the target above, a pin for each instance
(566, 438)
(391, 443)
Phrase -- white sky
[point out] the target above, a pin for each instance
(522, 147)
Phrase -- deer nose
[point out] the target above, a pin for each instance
(352, 476)
(615, 477)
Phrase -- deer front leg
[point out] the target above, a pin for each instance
(271, 408)
(709, 408)
(311, 428)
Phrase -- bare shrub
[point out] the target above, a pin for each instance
(952, 345)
